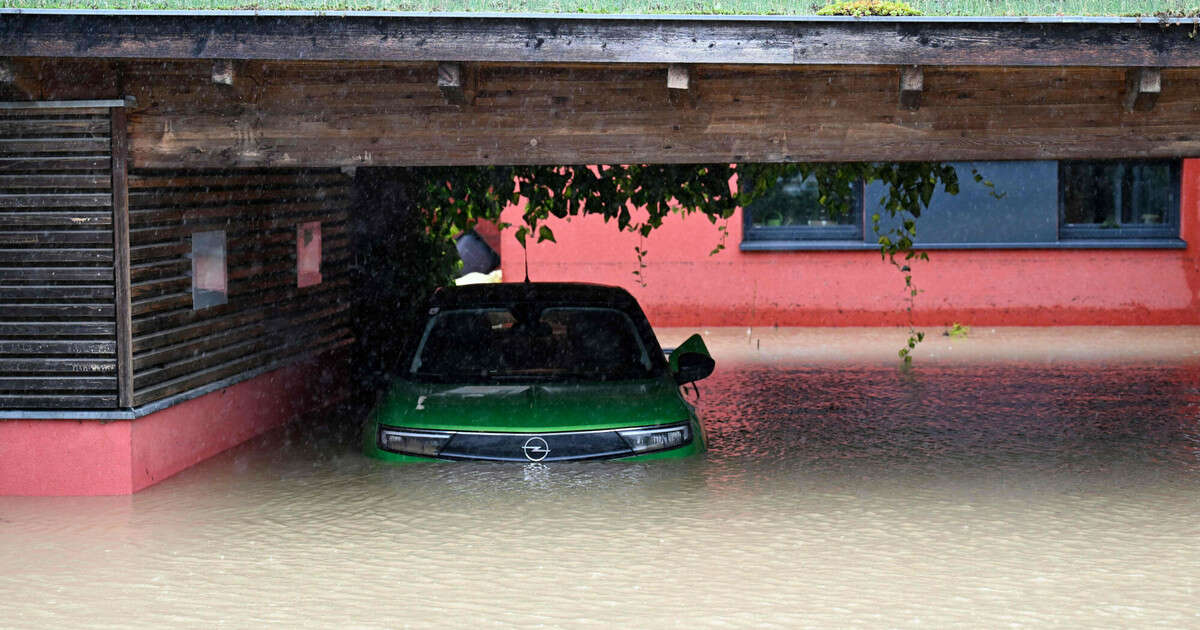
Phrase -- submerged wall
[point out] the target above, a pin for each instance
(52, 456)
(235, 303)
(685, 286)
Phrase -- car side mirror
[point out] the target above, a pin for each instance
(691, 361)
(693, 367)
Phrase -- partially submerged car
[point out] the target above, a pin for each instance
(538, 372)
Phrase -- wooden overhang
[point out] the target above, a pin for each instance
(541, 38)
(241, 89)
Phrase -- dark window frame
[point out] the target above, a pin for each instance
(1168, 229)
(808, 234)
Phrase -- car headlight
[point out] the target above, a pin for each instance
(409, 442)
(658, 438)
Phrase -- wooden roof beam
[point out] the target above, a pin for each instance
(450, 80)
(777, 40)
(15, 80)
(679, 79)
(912, 83)
(1142, 87)
(222, 72)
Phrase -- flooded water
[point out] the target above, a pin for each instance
(833, 496)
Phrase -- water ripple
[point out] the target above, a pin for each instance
(980, 496)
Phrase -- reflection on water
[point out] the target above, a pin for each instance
(832, 497)
(990, 419)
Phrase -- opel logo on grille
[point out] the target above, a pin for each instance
(536, 449)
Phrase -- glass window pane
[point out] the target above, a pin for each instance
(209, 277)
(463, 343)
(1112, 195)
(1149, 194)
(1088, 193)
(796, 202)
(556, 343)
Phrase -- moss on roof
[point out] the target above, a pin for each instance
(860, 8)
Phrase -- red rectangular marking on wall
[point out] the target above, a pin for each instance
(308, 254)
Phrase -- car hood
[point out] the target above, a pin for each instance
(534, 408)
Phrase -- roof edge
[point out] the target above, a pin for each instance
(468, 15)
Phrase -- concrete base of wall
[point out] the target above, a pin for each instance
(54, 457)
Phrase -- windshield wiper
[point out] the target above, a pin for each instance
(504, 376)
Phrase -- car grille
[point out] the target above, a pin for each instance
(541, 447)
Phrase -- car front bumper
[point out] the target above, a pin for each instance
(649, 442)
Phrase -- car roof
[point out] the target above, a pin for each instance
(555, 292)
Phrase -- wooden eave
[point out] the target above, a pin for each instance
(552, 38)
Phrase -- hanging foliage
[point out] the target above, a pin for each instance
(639, 197)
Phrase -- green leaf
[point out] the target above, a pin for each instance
(641, 196)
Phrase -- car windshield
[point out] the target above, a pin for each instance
(529, 343)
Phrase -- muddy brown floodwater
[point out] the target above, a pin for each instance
(835, 495)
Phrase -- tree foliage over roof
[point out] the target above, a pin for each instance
(638, 197)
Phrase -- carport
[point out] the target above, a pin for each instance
(128, 134)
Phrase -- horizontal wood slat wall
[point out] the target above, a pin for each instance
(57, 322)
(268, 320)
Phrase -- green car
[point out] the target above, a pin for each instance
(538, 372)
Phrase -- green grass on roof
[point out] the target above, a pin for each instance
(709, 7)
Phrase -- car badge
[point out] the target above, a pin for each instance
(535, 449)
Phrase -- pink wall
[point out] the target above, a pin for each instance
(181, 436)
(69, 457)
(1034, 287)
(64, 457)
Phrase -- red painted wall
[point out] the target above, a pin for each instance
(684, 286)
(64, 457)
(168, 441)
(87, 457)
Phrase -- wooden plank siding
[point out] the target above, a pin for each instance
(267, 320)
(57, 318)
(120, 201)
